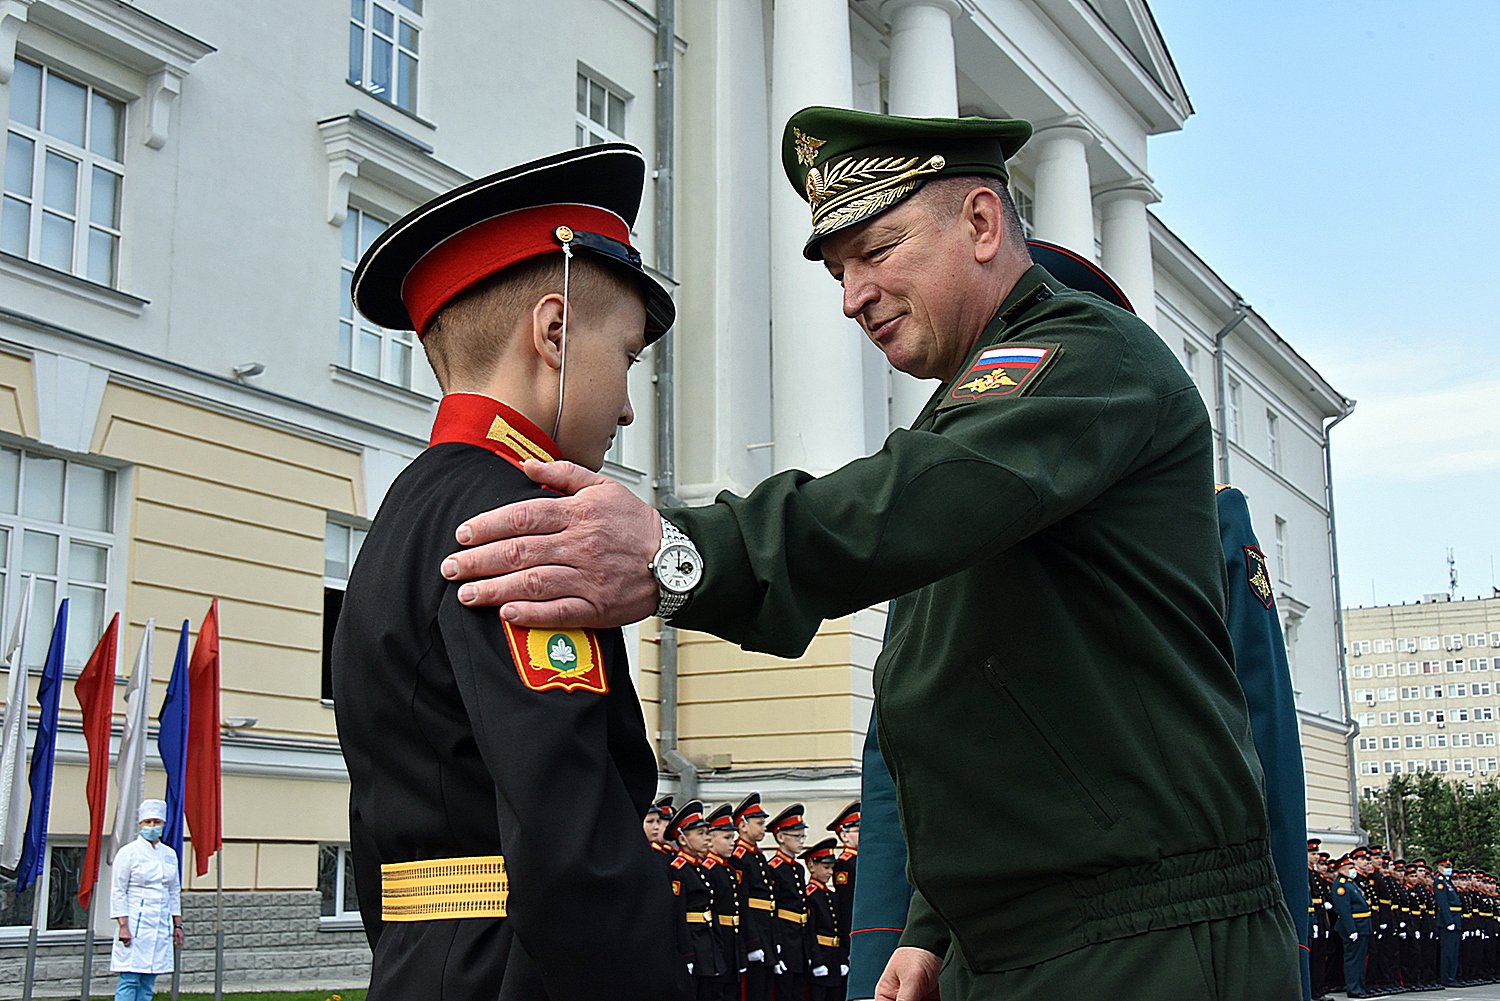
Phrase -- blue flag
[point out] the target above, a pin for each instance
(49, 696)
(171, 743)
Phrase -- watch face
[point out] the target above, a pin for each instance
(678, 568)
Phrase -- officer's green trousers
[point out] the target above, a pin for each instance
(1248, 958)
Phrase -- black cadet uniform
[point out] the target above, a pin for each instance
(1052, 504)
(697, 925)
(845, 861)
(827, 939)
(757, 907)
(726, 907)
(498, 776)
(789, 921)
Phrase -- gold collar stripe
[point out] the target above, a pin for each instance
(444, 889)
(502, 431)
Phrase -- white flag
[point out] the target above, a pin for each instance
(13, 785)
(130, 768)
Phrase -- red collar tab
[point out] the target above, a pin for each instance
(485, 248)
(474, 419)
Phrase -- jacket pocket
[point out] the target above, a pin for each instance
(1049, 740)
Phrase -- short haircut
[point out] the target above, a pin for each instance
(943, 199)
(467, 338)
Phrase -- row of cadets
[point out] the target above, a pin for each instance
(756, 898)
(828, 949)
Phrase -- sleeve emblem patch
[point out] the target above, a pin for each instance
(841, 878)
(1258, 575)
(676, 888)
(1340, 891)
(565, 659)
(1001, 371)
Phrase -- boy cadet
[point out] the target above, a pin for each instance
(757, 904)
(498, 774)
(725, 882)
(846, 827)
(697, 931)
(790, 888)
(827, 941)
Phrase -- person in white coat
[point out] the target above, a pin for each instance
(146, 902)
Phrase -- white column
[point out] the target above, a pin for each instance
(1125, 233)
(817, 406)
(924, 82)
(1064, 211)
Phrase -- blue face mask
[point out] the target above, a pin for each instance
(152, 833)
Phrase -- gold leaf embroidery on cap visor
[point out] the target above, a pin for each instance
(851, 190)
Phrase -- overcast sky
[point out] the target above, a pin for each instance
(1341, 171)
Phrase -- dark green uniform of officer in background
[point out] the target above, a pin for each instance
(1049, 524)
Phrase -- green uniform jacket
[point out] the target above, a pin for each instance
(1058, 679)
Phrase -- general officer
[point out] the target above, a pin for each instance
(477, 880)
(845, 826)
(1352, 922)
(1064, 461)
(757, 902)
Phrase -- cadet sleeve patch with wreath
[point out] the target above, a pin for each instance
(1002, 371)
(565, 659)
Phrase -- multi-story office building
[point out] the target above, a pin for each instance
(1424, 684)
(189, 408)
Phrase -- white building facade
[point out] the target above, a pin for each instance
(189, 409)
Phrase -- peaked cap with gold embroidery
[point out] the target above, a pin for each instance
(852, 165)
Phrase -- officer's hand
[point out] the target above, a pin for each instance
(1353, 936)
(910, 975)
(758, 956)
(578, 560)
(820, 971)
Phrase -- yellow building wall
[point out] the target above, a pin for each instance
(1325, 757)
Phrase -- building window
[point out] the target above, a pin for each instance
(64, 171)
(1233, 409)
(1386, 718)
(1461, 715)
(336, 883)
(1190, 360)
(341, 544)
(1413, 740)
(1453, 642)
(1384, 646)
(1389, 743)
(59, 884)
(1476, 639)
(1406, 644)
(364, 347)
(1437, 740)
(1479, 663)
(1479, 688)
(383, 49)
(1386, 695)
(1454, 666)
(1486, 739)
(1462, 739)
(1486, 764)
(1494, 639)
(1369, 767)
(56, 522)
(1283, 558)
(1411, 716)
(1273, 439)
(1484, 713)
(1431, 643)
(1364, 670)
(1369, 743)
(601, 113)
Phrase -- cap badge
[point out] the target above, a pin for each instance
(851, 190)
(807, 147)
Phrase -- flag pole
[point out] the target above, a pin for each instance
(219, 925)
(88, 951)
(36, 917)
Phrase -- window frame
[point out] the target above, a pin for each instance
(87, 163)
(354, 326)
(17, 934)
(341, 917)
(400, 95)
(588, 130)
(357, 528)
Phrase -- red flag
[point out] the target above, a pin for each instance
(95, 689)
(204, 789)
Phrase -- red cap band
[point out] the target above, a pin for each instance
(475, 253)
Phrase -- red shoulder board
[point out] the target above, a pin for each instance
(847, 854)
(812, 888)
(566, 659)
(710, 862)
(775, 861)
(679, 862)
(739, 851)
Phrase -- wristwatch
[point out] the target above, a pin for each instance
(677, 568)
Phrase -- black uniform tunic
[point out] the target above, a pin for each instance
(453, 751)
(790, 924)
(757, 907)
